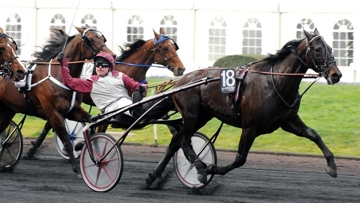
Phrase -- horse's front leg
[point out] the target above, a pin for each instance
(247, 138)
(58, 124)
(298, 127)
(39, 140)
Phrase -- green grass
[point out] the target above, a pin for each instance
(333, 111)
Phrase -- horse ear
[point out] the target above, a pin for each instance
(316, 32)
(157, 36)
(88, 26)
(308, 35)
(80, 30)
(1, 30)
(162, 31)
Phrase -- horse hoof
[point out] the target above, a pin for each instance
(202, 178)
(150, 179)
(332, 172)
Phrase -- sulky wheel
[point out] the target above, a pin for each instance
(75, 130)
(187, 172)
(104, 175)
(11, 146)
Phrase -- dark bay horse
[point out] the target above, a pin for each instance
(10, 64)
(268, 100)
(43, 95)
(135, 60)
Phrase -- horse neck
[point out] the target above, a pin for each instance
(139, 58)
(74, 54)
(290, 65)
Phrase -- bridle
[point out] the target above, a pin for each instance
(162, 39)
(87, 42)
(7, 65)
(318, 66)
(156, 48)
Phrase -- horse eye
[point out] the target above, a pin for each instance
(318, 49)
(165, 48)
(2, 49)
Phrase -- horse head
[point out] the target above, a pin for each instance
(165, 53)
(320, 58)
(9, 61)
(92, 43)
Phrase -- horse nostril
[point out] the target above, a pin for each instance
(336, 77)
(20, 73)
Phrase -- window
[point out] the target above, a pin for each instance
(217, 39)
(90, 20)
(169, 24)
(305, 24)
(58, 22)
(13, 29)
(252, 37)
(135, 29)
(343, 44)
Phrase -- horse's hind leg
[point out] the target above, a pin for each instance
(161, 165)
(37, 143)
(298, 127)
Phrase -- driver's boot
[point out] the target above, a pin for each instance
(136, 97)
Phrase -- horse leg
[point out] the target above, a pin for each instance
(37, 143)
(298, 127)
(248, 136)
(58, 124)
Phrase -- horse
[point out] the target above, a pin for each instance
(135, 60)
(42, 94)
(10, 64)
(268, 99)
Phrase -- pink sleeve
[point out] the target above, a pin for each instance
(76, 84)
(130, 83)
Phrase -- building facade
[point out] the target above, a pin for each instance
(205, 30)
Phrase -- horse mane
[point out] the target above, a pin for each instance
(281, 54)
(129, 48)
(54, 45)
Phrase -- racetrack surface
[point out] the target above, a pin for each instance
(266, 178)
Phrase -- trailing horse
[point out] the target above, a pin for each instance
(42, 94)
(266, 99)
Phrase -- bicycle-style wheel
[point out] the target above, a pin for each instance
(102, 176)
(185, 171)
(11, 146)
(75, 130)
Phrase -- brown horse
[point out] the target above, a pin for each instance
(268, 99)
(135, 60)
(10, 64)
(43, 95)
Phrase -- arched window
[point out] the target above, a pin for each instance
(252, 35)
(90, 20)
(13, 29)
(217, 39)
(169, 24)
(305, 24)
(343, 44)
(58, 22)
(135, 29)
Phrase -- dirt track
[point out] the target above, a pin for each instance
(264, 178)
